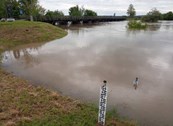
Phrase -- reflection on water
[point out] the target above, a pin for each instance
(24, 54)
(77, 64)
(168, 25)
(154, 26)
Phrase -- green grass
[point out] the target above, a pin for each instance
(25, 105)
(25, 32)
(84, 115)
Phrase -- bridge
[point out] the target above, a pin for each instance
(84, 19)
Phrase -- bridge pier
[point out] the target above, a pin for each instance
(76, 22)
(63, 23)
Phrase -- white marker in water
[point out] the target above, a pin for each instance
(102, 104)
(135, 83)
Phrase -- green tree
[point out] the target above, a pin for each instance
(131, 11)
(39, 13)
(40, 10)
(89, 13)
(2, 9)
(168, 16)
(153, 16)
(12, 7)
(9, 8)
(76, 11)
(53, 14)
(29, 7)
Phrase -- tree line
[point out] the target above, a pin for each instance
(152, 16)
(20, 9)
(30, 9)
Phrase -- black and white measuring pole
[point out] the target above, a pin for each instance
(102, 104)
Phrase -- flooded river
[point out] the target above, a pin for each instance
(77, 64)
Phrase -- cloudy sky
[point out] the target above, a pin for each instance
(109, 7)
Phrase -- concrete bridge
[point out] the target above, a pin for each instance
(85, 19)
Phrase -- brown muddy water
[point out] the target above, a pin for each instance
(77, 64)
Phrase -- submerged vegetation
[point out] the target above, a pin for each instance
(22, 104)
(133, 24)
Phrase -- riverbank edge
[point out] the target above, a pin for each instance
(23, 104)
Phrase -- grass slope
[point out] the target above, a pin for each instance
(24, 32)
(22, 104)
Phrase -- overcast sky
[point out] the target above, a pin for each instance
(109, 7)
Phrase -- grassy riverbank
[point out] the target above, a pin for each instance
(22, 104)
(25, 32)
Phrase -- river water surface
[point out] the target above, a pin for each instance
(77, 64)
